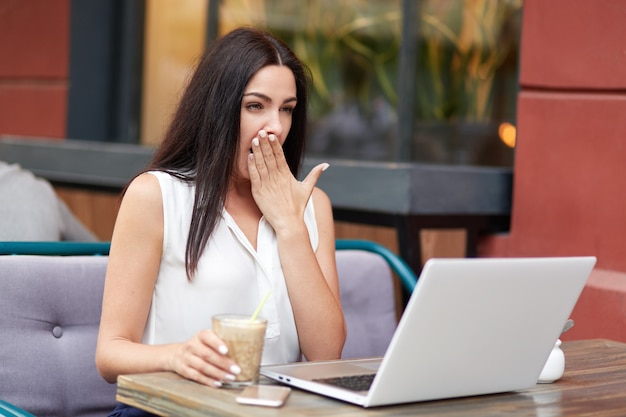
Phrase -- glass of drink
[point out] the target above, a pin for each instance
(244, 338)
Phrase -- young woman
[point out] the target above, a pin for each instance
(218, 220)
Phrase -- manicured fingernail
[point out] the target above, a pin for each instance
(218, 384)
(262, 133)
(230, 377)
(223, 349)
(255, 142)
(272, 138)
(235, 369)
(325, 167)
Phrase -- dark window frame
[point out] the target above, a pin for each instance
(105, 70)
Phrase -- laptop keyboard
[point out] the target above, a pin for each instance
(352, 382)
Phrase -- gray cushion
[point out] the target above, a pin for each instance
(368, 300)
(49, 315)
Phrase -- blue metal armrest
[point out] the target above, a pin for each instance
(54, 248)
(397, 264)
(9, 410)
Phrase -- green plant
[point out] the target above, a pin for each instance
(463, 45)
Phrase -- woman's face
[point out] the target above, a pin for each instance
(267, 104)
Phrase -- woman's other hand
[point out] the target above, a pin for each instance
(278, 194)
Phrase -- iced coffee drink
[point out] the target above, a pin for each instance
(244, 339)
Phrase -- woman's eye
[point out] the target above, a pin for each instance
(254, 106)
(288, 110)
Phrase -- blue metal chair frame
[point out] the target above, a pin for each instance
(54, 248)
(9, 410)
(397, 264)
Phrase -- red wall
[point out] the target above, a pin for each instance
(34, 61)
(569, 195)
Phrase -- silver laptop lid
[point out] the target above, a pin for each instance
(478, 326)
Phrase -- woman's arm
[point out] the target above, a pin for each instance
(311, 276)
(313, 285)
(133, 267)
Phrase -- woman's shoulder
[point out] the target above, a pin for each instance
(320, 199)
(153, 181)
(142, 195)
(322, 207)
(140, 212)
(144, 186)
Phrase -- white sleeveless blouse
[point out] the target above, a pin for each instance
(231, 278)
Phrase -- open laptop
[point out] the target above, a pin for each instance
(472, 326)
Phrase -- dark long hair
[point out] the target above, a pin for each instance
(202, 140)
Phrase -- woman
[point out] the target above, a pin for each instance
(218, 220)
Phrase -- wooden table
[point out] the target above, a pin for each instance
(594, 383)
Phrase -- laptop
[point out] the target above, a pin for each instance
(472, 326)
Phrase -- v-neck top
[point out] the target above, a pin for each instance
(232, 277)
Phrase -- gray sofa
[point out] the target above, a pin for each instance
(49, 317)
(50, 312)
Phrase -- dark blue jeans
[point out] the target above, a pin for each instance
(123, 410)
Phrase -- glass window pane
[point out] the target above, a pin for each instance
(467, 72)
(174, 39)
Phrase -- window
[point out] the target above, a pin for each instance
(432, 81)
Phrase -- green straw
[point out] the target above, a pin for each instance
(258, 309)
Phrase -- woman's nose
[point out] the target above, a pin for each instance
(274, 124)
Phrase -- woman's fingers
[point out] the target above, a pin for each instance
(278, 194)
(257, 156)
(201, 372)
(203, 359)
(277, 155)
(267, 164)
(268, 155)
(268, 151)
